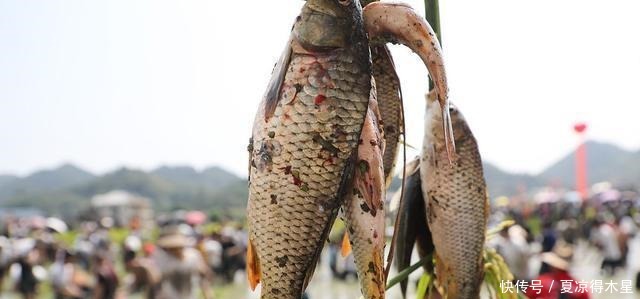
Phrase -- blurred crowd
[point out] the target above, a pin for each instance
(181, 255)
(550, 229)
(176, 258)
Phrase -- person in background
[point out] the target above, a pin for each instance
(63, 273)
(4, 258)
(515, 252)
(605, 236)
(552, 288)
(212, 253)
(143, 275)
(179, 265)
(549, 236)
(105, 277)
(28, 283)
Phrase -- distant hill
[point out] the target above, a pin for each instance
(212, 177)
(213, 189)
(500, 182)
(56, 179)
(7, 179)
(605, 162)
(67, 189)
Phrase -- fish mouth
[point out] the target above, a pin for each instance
(312, 8)
(320, 29)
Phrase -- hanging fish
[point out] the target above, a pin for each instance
(303, 145)
(389, 96)
(456, 203)
(303, 156)
(363, 208)
(399, 23)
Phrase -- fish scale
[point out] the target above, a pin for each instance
(288, 230)
(457, 204)
(389, 104)
(363, 208)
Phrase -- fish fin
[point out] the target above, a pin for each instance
(346, 246)
(314, 261)
(371, 195)
(449, 139)
(378, 264)
(274, 89)
(445, 279)
(369, 178)
(424, 240)
(412, 167)
(253, 266)
(408, 223)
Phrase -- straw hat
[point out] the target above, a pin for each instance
(174, 241)
(174, 238)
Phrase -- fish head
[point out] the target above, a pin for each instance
(329, 24)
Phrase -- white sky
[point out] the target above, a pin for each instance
(147, 82)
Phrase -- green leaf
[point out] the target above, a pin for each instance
(423, 285)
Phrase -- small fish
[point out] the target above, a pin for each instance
(389, 95)
(399, 23)
(456, 203)
(363, 209)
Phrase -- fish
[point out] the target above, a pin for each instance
(398, 23)
(389, 96)
(456, 202)
(363, 208)
(412, 226)
(303, 148)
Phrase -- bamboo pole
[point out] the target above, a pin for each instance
(432, 14)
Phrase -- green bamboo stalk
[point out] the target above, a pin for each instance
(405, 273)
(432, 14)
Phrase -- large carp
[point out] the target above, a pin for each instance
(303, 145)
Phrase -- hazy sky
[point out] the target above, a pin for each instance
(147, 82)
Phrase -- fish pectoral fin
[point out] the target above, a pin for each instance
(369, 186)
(272, 95)
(449, 139)
(345, 249)
(253, 266)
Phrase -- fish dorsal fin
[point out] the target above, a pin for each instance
(272, 95)
(346, 246)
(253, 266)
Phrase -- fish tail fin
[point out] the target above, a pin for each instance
(253, 266)
(446, 281)
(346, 246)
(378, 262)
